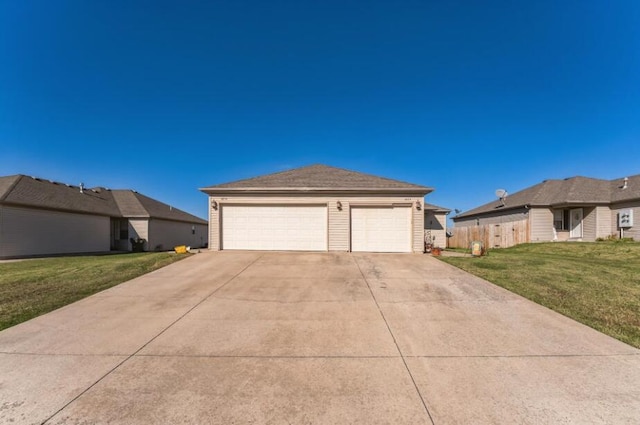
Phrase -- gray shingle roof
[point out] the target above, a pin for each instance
(157, 209)
(318, 177)
(6, 184)
(436, 208)
(40, 193)
(631, 192)
(129, 204)
(571, 191)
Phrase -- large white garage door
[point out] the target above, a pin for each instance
(275, 227)
(381, 229)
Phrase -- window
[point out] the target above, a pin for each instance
(561, 219)
(124, 229)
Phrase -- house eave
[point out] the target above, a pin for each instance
(624, 201)
(496, 210)
(214, 191)
(576, 204)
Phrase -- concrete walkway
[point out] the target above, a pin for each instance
(279, 338)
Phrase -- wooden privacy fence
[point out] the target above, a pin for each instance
(497, 235)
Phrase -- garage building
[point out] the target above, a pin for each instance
(317, 208)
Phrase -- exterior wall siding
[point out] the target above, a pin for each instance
(541, 224)
(339, 226)
(31, 232)
(139, 228)
(214, 225)
(631, 232)
(603, 222)
(166, 234)
(589, 223)
(418, 226)
(338, 220)
(435, 226)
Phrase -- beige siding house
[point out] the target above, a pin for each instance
(40, 217)
(573, 209)
(317, 208)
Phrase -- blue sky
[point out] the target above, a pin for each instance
(465, 97)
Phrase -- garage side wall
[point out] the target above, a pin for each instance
(435, 227)
(338, 219)
(28, 232)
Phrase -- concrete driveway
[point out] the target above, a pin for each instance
(280, 338)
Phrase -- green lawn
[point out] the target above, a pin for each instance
(33, 287)
(597, 284)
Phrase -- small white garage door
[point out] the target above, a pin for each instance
(381, 229)
(275, 227)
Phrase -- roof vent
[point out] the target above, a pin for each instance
(625, 183)
(81, 187)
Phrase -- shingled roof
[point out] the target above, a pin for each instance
(46, 194)
(41, 193)
(435, 208)
(157, 209)
(557, 193)
(318, 178)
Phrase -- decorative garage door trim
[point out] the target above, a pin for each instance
(271, 227)
(381, 229)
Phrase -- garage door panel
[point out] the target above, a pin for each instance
(381, 229)
(274, 227)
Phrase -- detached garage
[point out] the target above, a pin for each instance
(317, 208)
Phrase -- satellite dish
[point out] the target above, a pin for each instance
(502, 195)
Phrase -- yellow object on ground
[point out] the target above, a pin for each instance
(180, 249)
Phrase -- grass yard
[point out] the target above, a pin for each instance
(597, 284)
(33, 287)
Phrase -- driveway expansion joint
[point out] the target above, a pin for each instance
(150, 341)
(27, 353)
(404, 361)
(217, 356)
(525, 356)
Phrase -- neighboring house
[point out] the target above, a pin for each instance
(41, 217)
(435, 225)
(573, 209)
(317, 208)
